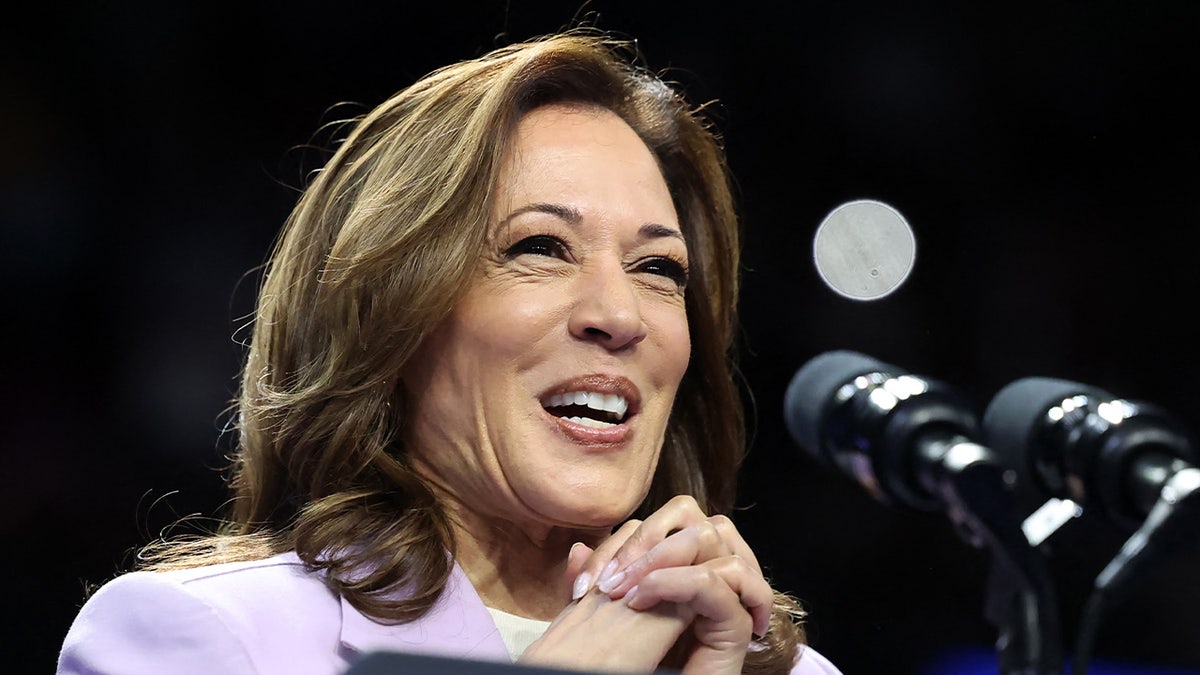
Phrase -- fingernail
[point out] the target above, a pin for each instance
(606, 573)
(612, 582)
(631, 596)
(583, 583)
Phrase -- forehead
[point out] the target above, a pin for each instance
(576, 152)
(573, 127)
(554, 114)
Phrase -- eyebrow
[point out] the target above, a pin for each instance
(571, 216)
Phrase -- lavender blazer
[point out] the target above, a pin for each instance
(271, 616)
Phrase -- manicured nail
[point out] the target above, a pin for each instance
(606, 573)
(631, 596)
(583, 583)
(612, 582)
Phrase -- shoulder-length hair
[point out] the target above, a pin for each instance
(381, 245)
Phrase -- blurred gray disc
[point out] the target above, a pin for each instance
(864, 249)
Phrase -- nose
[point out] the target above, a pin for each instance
(607, 309)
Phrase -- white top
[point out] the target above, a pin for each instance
(517, 631)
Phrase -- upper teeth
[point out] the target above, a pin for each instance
(617, 405)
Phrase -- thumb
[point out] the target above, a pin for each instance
(576, 559)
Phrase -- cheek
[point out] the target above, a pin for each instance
(517, 316)
(675, 343)
(507, 325)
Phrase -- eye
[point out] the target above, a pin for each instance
(540, 244)
(665, 267)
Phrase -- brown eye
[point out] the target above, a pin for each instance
(541, 244)
(666, 267)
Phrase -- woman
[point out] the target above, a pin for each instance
(496, 326)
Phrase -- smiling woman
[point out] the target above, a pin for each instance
(580, 294)
(488, 409)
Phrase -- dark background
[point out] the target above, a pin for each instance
(1045, 155)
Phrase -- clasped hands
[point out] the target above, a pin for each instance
(680, 583)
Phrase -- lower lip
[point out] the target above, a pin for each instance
(581, 433)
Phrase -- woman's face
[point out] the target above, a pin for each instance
(543, 398)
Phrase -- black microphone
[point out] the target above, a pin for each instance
(890, 431)
(912, 441)
(1079, 442)
(1131, 461)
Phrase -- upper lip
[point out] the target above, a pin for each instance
(600, 384)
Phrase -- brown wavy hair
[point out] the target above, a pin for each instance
(379, 248)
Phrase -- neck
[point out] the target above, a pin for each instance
(515, 569)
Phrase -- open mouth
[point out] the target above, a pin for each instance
(588, 408)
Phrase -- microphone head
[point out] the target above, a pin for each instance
(813, 389)
(1080, 442)
(877, 424)
(1015, 416)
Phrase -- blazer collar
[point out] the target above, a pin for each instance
(457, 625)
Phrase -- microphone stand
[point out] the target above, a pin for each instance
(1021, 600)
(1170, 527)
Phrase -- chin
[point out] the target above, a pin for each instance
(575, 510)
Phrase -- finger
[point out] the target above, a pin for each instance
(709, 589)
(678, 513)
(707, 539)
(705, 594)
(597, 634)
(733, 539)
(693, 544)
(599, 560)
